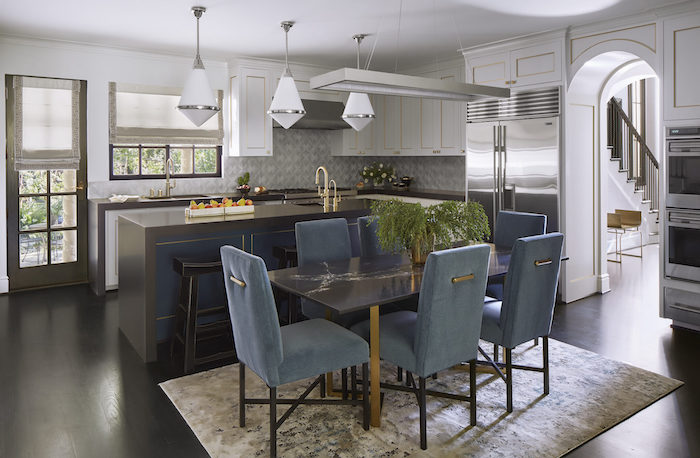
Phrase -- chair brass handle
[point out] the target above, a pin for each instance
(543, 262)
(463, 278)
(240, 283)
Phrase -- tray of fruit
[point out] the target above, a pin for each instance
(225, 207)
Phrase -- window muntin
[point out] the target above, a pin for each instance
(148, 161)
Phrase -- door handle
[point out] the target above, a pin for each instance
(80, 187)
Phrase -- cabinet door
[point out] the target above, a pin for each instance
(681, 68)
(253, 123)
(390, 129)
(452, 120)
(491, 70)
(410, 126)
(535, 64)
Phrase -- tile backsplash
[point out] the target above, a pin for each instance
(297, 154)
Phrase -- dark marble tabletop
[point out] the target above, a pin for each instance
(359, 283)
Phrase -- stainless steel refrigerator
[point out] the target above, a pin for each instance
(514, 165)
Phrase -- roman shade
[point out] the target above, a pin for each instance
(46, 124)
(140, 114)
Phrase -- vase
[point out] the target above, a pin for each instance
(419, 252)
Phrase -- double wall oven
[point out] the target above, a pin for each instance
(681, 292)
(682, 218)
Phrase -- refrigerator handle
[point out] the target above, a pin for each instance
(496, 169)
(504, 165)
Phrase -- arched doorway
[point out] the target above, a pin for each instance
(588, 183)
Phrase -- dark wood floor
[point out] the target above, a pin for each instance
(70, 384)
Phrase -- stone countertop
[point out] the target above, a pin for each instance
(105, 204)
(272, 215)
(417, 192)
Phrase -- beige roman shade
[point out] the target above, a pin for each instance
(46, 124)
(143, 115)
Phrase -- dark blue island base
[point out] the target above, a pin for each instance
(148, 243)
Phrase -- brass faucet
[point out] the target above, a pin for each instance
(168, 170)
(336, 196)
(325, 194)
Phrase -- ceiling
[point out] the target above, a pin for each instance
(428, 30)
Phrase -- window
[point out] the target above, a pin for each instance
(130, 162)
(145, 130)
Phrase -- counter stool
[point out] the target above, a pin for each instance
(287, 257)
(188, 330)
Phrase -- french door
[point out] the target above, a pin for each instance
(46, 213)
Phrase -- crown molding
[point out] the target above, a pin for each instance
(92, 48)
(531, 39)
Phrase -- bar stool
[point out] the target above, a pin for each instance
(287, 257)
(188, 329)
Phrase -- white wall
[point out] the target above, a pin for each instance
(98, 66)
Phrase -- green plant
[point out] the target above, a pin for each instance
(420, 229)
(378, 172)
(243, 180)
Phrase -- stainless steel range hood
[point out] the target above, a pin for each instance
(320, 114)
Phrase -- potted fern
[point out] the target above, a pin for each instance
(420, 230)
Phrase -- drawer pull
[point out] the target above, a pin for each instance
(684, 308)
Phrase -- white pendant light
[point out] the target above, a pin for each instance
(197, 101)
(358, 111)
(286, 107)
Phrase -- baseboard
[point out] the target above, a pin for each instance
(604, 283)
(579, 288)
(4, 284)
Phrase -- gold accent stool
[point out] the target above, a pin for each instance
(621, 222)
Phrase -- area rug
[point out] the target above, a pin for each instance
(588, 394)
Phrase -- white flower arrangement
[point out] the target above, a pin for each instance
(378, 173)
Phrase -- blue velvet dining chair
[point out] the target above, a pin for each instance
(527, 307)
(510, 226)
(324, 240)
(444, 331)
(287, 354)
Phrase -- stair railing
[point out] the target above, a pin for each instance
(635, 158)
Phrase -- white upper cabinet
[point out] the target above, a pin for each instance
(253, 84)
(682, 67)
(518, 66)
(412, 126)
(251, 127)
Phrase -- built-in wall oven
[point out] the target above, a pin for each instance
(683, 244)
(683, 167)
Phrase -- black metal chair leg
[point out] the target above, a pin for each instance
(353, 382)
(421, 402)
(241, 394)
(545, 360)
(495, 353)
(408, 377)
(365, 396)
(399, 374)
(536, 341)
(322, 387)
(344, 382)
(435, 376)
(472, 392)
(509, 381)
(273, 422)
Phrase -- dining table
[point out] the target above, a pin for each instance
(366, 283)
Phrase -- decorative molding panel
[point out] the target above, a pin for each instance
(644, 35)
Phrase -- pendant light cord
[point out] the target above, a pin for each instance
(286, 48)
(398, 35)
(198, 64)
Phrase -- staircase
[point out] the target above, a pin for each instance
(634, 158)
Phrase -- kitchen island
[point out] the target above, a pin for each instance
(148, 243)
